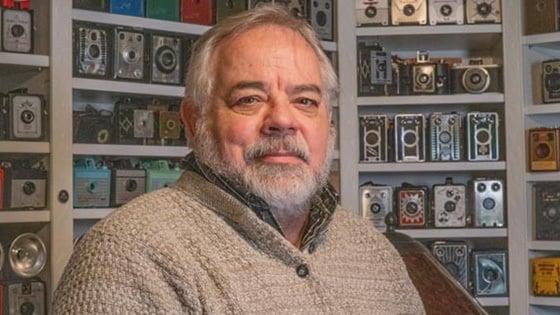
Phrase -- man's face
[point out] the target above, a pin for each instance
(268, 116)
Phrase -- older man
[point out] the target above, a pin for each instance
(252, 226)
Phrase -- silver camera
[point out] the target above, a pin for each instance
(92, 51)
(490, 273)
(488, 199)
(454, 256)
(446, 12)
(28, 116)
(424, 74)
(17, 31)
(25, 187)
(483, 136)
(483, 11)
(381, 67)
(143, 124)
(445, 136)
(166, 59)
(410, 137)
(450, 208)
(476, 76)
(372, 12)
(409, 12)
(321, 14)
(127, 184)
(129, 55)
(376, 203)
(374, 138)
(27, 297)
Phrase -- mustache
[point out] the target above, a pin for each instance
(287, 144)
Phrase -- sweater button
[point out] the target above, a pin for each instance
(302, 271)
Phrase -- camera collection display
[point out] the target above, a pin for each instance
(479, 204)
(543, 149)
(23, 184)
(17, 26)
(546, 276)
(424, 12)
(23, 116)
(383, 74)
(541, 16)
(546, 209)
(319, 13)
(440, 137)
(549, 85)
(104, 183)
(21, 290)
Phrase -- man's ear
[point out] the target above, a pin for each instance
(189, 116)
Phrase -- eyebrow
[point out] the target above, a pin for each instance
(258, 85)
(304, 88)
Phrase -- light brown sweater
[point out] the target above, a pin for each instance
(195, 249)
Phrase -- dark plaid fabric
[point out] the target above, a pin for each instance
(321, 211)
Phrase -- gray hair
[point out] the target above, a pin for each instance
(199, 76)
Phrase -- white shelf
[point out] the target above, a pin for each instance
(91, 213)
(24, 147)
(493, 301)
(123, 87)
(329, 46)
(130, 150)
(140, 22)
(543, 177)
(23, 60)
(455, 233)
(544, 300)
(429, 29)
(431, 99)
(545, 245)
(24, 216)
(431, 167)
(542, 109)
(544, 40)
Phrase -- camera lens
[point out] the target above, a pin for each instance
(481, 187)
(94, 51)
(411, 207)
(131, 185)
(121, 36)
(17, 30)
(446, 10)
(423, 78)
(409, 138)
(92, 187)
(103, 136)
(131, 55)
(450, 206)
(29, 188)
(476, 80)
(482, 136)
(168, 59)
(488, 203)
(490, 275)
(445, 137)
(372, 138)
(496, 187)
(409, 10)
(27, 308)
(375, 208)
(27, 116)
(371, 12)
(321, 18)
(484, 9)
(170, 124)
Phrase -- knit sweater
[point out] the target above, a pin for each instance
(194, 249)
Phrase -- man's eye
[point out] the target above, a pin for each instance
(307, 101)
(247, 100)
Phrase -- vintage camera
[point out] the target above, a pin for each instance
(551, 81)
(449, 207)
(374, 138)
(544, 154)
(197, 12)
(482, 138)
(134, 124)
(446, 12)
(17, 31)
(129, 55)
(225, 8)
(454, 256)
(163, 9)
(26, 297)
(476, 76)
(412, 206)
(381, 67)
(374, 69)
(410, 138)
(483, 11)
(93, 126)
(372, 12)
(92, 184)
(376, 203)
(490, 273)
(409, 12)
(160, 174)
(2, 205)
(402, 77)
(95, 5)
(4, 118)
(91, 51)
(488, 202)
(143, 124)
(27, 115)
(128, 182)
(166, 60)
(128, 7)
(445, 136)
(541, 16)
(423, 74)
(27, 255)
(546, 276)
(321, 13)
(546, 204)
(25, 185)
(170, 128)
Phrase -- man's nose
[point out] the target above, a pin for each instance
(280, 120)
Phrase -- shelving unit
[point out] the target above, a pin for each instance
(20, 61)
(431, 99)
(92, 214)
(24, 216)
(24, 147)
(431, 167)
(542, 109)
(128, 88)
(130, 150)
(493, 301)
(454, 233)
(544, 301)
(545, 246)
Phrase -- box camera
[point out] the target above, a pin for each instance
(128, 7)
(225, 8)
(374, 69)
(476, 77)
(412, 206)
(376, 203)
(445, 136)
(402, 77)
(541, 16)
(409, 12)
(166, 60)
(94, 5)
(160, 174)
(490, 273)
(134, 124)
(488, 202)
(483, 11)
(374, 138)
(546, 276)
(93, 126)
(446, 12)
(321, 13)
(544, 154)
(482, 138)
(454, 256)
(2, 206)
(92, 184)
(449, 207)
(197, 12)
(26, 114)
(129, 55)
(551, 81)
(546, 204)
(372, 12)
(163, 9)
(17, 31)
(25, 297)
(91, 51)
(410, 138)
(25, 186)
(128, 182)
(423, 74)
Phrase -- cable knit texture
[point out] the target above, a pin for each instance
(194, 249)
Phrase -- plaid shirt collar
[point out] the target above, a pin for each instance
(321, 211)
